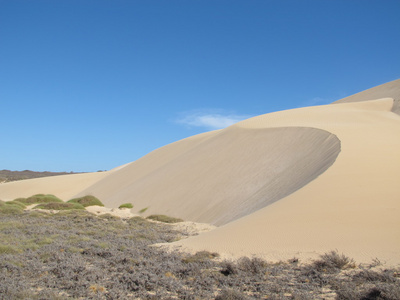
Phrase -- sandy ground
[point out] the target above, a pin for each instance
(295, 183)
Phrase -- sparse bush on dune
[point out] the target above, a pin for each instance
(86, 201)
(333, 262)
(38, 198)
(126, 205)
(59, 206)
(164, 219)
(200, 256)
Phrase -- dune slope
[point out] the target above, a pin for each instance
(231, 173)
(353, 206)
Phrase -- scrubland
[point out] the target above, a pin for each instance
(74, 254)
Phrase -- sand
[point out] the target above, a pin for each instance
(295, 183)
(352, 207)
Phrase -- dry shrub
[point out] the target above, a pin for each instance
(200, 256)
(333, 262)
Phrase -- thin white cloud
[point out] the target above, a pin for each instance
(316, 101)
(210, 121)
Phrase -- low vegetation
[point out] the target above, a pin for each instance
(86, 201)
(7, 175)
(143, 210)
(11, 207)
(38, 198)
(126, 205)
(73, 254)
(59, 206)
(164, 219)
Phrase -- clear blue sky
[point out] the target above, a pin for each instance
(91, 85)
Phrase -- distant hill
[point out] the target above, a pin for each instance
(7, 175)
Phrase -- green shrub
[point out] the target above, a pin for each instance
(59, 206)
(20, 200)
(164, 219)
(39, 198)
(126, 205)
(143, 210)
(86, 201)
(16, 203)
(11, 209)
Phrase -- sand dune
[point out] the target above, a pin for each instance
(64, 186)
(388, 90)
(227, 175)
(293, 183)
(353, 206)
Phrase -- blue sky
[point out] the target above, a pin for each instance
(91, 85)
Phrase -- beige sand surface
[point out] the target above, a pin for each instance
(63, 186)
(352, 207)
(224, 176)
(388, 90)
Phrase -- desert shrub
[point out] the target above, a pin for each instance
(39, 198)
(109, 217)
(200, 256)
(2, 203)
(126, 205)
(253, 265)
(228, 268)
(138, 221)
(229, 294)
(333, 262)
(59, 206)
(86, 201)
(164, 219)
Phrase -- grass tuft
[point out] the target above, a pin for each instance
(7, 249)
(143, 210)
(59, 206)
(126, 205)
(39, 198)
(164, 219)
(86, 201)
